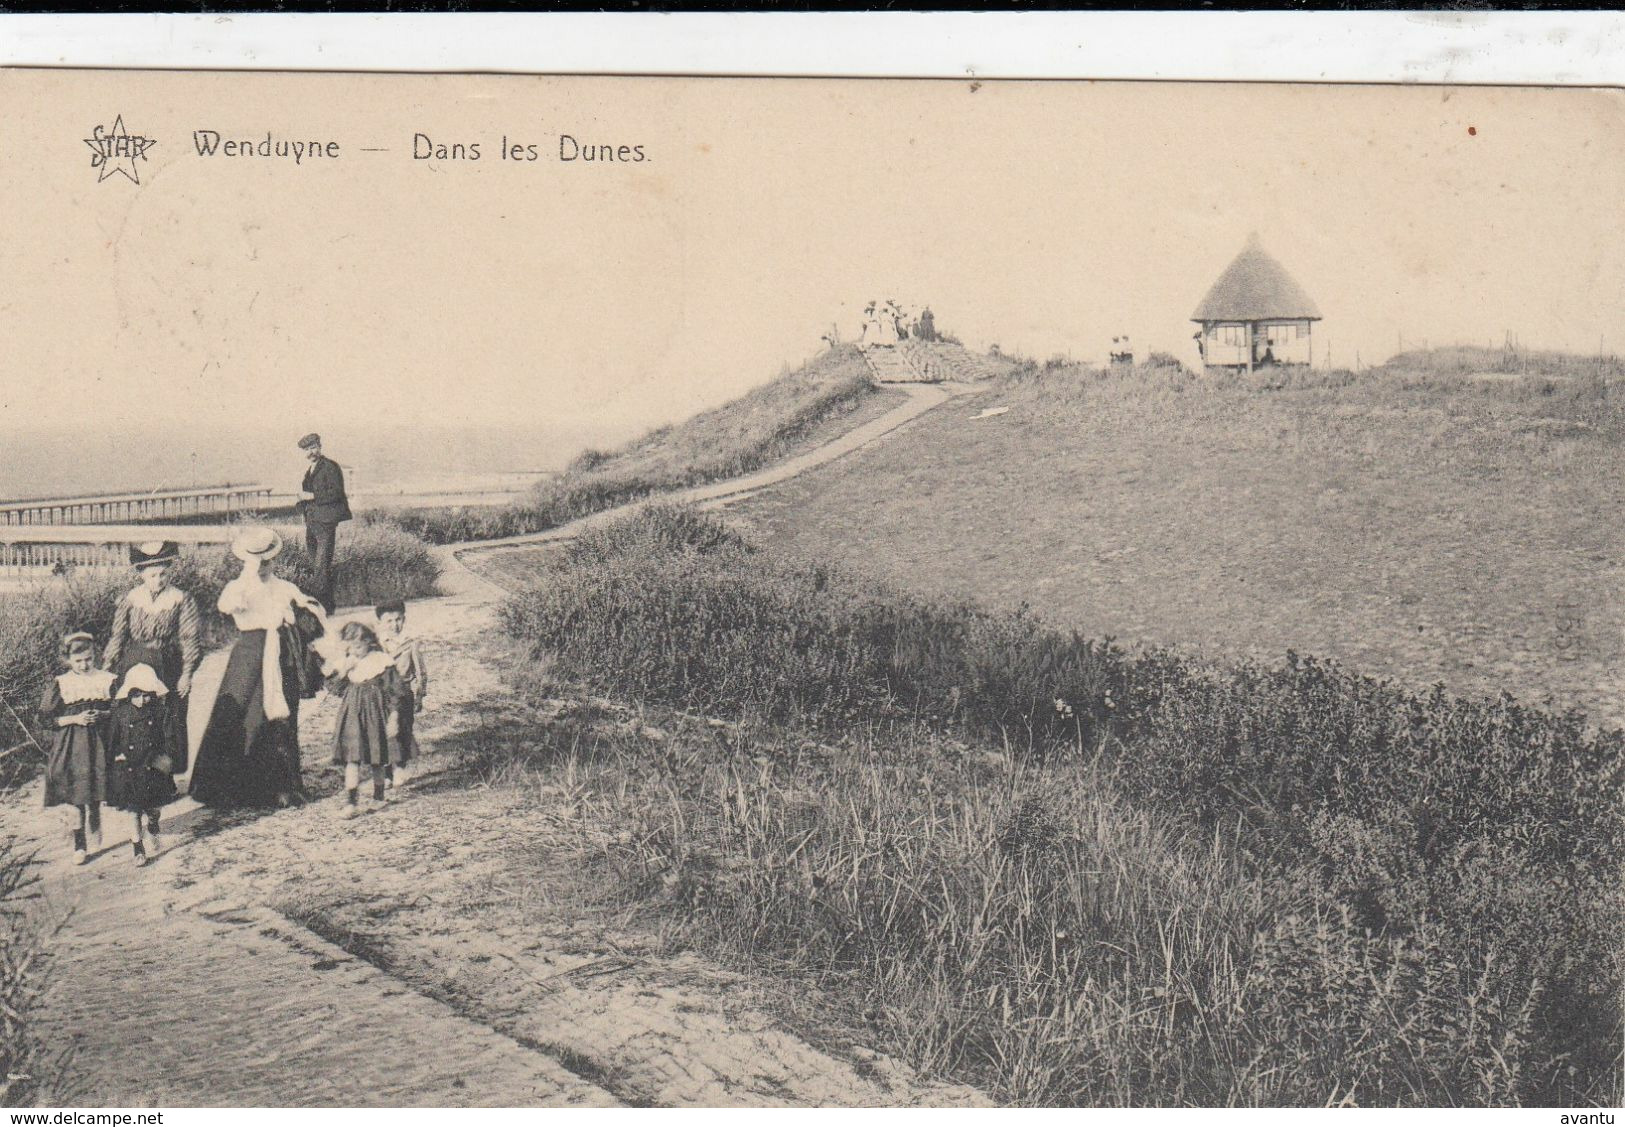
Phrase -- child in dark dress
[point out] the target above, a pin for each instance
(76, 705)
(371, 695)
(140, 781)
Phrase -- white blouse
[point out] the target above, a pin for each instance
(263, 604)
(366, 668)
(267, 604)
(96, 685)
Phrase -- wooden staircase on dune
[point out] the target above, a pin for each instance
(891, 364)
(916, 361)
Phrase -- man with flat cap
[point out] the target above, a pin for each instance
(324, 506)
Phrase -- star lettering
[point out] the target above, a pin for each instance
(115, 150)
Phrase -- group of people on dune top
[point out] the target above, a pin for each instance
(120, 714)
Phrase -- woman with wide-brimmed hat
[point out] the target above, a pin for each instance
(159, 625)
(250, 749)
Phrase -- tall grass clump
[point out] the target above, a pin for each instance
(1433, 880)
(1020, 926)
(742, 436)
(27, 1069)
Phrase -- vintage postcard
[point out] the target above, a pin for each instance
(531, 591)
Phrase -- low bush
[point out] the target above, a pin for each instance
(1156, 359)
(372, 563)
(1460, 856)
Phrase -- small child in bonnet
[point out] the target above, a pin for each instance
(140, 782)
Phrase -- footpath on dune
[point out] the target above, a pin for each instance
(432, 952)
(921, 398)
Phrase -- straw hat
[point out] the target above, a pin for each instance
(256, 543)
(142, 677)
(153, 552)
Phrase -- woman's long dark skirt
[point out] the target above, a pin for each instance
(245, 759)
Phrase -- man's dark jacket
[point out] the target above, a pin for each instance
(326, 480)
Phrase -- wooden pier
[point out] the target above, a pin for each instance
(134, 508)
(39, 550)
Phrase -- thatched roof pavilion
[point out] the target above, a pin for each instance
(1255, 314)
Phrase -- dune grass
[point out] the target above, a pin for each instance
(761, 427)
(1080, 875)
(1467, 360)
(27, 1068)
(1415, 525)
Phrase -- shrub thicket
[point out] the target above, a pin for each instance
(1432, 879)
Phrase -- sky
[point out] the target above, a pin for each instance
(378, 290)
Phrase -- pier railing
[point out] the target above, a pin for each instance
(130, 508)
(39, 549)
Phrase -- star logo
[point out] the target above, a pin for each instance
(115, 150)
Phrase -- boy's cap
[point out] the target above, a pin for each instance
(395, 607)
(310, 440)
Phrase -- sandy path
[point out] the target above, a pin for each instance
(268, 959)
(180, 985)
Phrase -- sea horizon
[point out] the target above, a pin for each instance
(49, 462)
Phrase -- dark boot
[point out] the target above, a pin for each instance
(78, 847)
